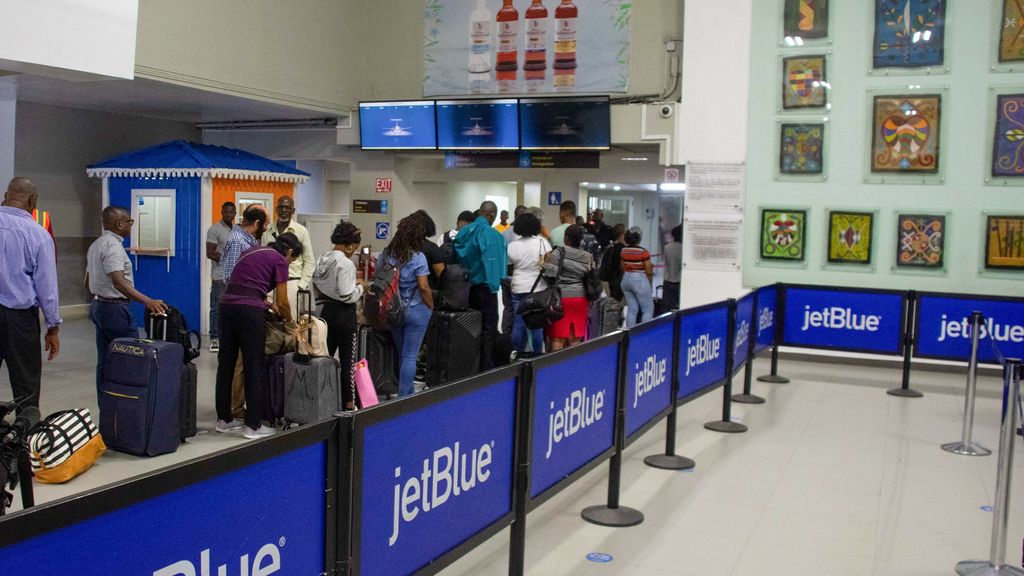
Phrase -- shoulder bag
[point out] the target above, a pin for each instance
(543, 308)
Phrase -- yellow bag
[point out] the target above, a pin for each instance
(67, 443)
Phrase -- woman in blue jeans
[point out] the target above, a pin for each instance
(637, 275)
(405, 253)
(525, 256)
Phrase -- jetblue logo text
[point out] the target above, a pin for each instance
(989, 329)
(839, 318)
(266, 562)
(650, 377)
(580, 410)
(741, 335)
(705, 349)
(765, 320)
(448, 472)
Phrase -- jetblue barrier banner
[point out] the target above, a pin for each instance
(202, 529)
(648, 374)
(434, 477)
(743, 331)
(767, 298)
(573, 415)
(703, 338)
(944, 331)
(844, 320)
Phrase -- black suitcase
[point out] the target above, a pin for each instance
(605, 317)
(660, 305)
(378, 349)
(453, 346)
(189, 375)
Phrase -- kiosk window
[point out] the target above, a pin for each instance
(154, 215)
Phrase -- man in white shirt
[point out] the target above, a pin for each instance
(674, 268)
(300, 272)
(216, 237)
(567, 214)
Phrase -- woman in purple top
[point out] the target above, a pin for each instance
(405, 253)
(243, 327)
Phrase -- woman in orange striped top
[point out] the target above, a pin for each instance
(637, 275)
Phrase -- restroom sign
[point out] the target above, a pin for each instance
(554, 198)
(383, 185)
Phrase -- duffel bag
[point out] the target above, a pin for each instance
(65, 444)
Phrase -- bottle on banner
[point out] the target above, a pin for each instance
(565, 36)
(507, 59)
(536, 36)
(480, 38)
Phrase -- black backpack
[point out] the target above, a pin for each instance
(174, 329)
(610, 260)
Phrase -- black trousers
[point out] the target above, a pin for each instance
(481, 298)
(671, 295)
(342, 329)
(242, 329)
(21, 350)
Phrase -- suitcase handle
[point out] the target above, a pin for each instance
(152, 325)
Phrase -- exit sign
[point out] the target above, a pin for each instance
(383, 185)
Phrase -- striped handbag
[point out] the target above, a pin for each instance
(65, 444)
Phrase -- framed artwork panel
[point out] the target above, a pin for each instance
(920, 240)
(1011, 32)
(1008, 140)
(905, 133)
(807, 19)
(801, 148)
(803, 82)
(1004, 242)
(783, 234)
(849, 237)
(909, 33)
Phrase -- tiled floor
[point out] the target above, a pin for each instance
(834, 478)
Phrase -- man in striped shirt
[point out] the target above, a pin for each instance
(244, 235)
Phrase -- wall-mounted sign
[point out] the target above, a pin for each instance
(383, 185)
(672, 175)
(521, 159)
(383, 230)
(369, 206)
(554, 198)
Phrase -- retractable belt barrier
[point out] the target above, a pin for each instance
(413, 485)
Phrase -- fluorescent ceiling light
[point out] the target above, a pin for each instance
(602, 186)
(673, 187)
(617, 188)
(634, 159)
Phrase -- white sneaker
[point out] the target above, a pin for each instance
(262, 432)
(223, 426)
(215, 345)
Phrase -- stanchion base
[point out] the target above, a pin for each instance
(773, 378)
(969, 449)
(669, 462)
(747, 399)
(983, 568)
(620, 517)
(727, 427)
(904, 393)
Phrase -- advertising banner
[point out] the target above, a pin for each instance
(943, 329)
(844, 320)
(703, 337)
(743, 330)
(495, 47)
(184, 531)
(767, 299)
(648, 374)
(573, 415)
(432, 478)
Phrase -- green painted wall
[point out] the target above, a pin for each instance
(968, 87)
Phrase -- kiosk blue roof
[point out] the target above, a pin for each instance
(179, 158)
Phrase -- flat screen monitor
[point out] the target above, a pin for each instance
(397, 125)
(562, 124)
(478, 124)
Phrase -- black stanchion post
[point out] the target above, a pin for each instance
(613, 515)
(726, 424)
(780, 313)
(521, 497)
(996, 563)
(345, 480)
(905, 391)
(748, 397)
(669, 460)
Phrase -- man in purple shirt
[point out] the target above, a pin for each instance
(28, 282)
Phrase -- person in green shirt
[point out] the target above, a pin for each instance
(482, 252)
(567, 214)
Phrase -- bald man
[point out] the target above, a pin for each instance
(300, 272)
(483, 253)
(28, 283)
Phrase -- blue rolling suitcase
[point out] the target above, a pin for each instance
(140, 398)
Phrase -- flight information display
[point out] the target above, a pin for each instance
(397, 125)
(561, 124)
(478, 124)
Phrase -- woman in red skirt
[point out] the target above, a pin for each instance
(574, 264)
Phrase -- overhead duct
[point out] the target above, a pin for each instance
(297, 124)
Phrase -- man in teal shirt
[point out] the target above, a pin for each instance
(482, 252)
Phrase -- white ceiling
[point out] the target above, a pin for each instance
(149, 98)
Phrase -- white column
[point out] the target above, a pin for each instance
(8, 106)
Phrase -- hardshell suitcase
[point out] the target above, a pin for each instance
(605, 317)
(311, 388)
(273, 401)
(378, 349)
(189, 375)
(140, 396)
(453, 346)
(660, 305)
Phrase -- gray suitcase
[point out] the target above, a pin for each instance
(312, 388)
